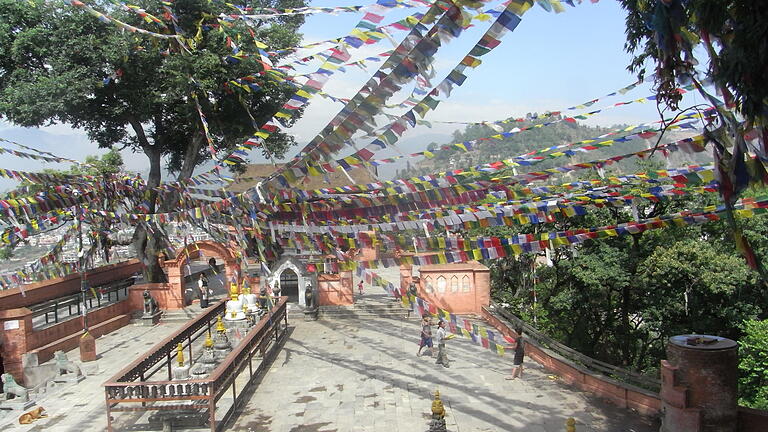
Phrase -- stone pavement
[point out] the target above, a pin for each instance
(363, 375)
(81, 407)
(357, 375)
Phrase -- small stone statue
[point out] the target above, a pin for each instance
(12, 388)
(150, 304)
(309, 297)
(65, 366)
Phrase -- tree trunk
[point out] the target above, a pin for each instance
(148, 244)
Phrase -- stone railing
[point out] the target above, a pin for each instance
(133, 385)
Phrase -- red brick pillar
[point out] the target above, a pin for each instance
(347, 290)
(406, 276)
(15, 340)
(176, 287)
(698, 384)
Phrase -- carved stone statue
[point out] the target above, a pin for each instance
(150, 304)
(65, 366)
(309, 296)
(12, 388)
(151, 310)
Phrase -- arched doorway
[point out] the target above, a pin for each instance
(293, 277)
(289, 285)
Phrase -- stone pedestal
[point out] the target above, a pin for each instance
(698, 385)
(180, 372)
(69, 378)
(151, 320)
(87, 348)
(18, 404)
(311, 314)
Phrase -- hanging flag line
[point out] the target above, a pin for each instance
(340, 129)
(110, 20)
(500, 247)
(255, 14)
(389, 138)
(454, 194)
(505, 22)
(469, 217)
(457, 191)
(411, 58)
(498, 214)
(296, 195)
(315, 84)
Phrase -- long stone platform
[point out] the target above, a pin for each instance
(358, 374)
(363, 375)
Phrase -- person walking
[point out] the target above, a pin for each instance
(426, 336)
(517, 362)
(360, 287)
(202, 285)
(411, 299)
(442, 355)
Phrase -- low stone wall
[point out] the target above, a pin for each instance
(65, 335)
(623, 395)
(19, 337)
(51, 289)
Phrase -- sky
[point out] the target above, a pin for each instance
(550, 62)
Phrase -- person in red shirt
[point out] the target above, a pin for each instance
(360, 287)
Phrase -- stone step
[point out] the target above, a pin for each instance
(357, 314)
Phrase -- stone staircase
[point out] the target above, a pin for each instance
(366, 307)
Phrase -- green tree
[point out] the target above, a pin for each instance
(60, 64)
(732, 32)
(753, 364)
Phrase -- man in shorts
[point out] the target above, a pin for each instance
(426, 336)
(517, 362)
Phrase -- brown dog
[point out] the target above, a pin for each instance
(29, 417)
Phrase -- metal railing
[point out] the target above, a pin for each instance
(52, 310)
(132, 385)
(603, 368)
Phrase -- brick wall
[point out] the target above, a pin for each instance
(459, 301)
(50, 289)
(169, 296)
(19, 338)
(333, 291)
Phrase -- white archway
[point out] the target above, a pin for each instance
(297, 267)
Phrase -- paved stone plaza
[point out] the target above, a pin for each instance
(363, 375)
(357, 374)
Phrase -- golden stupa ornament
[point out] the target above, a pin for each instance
(233, 292)
(220, 325)
(180, 354)
(438, 411)
(208, 341)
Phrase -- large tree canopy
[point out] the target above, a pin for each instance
(733, 35)
(61, 64)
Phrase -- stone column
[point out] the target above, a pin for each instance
(15, 340)
(698, 384)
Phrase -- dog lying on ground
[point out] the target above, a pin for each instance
(31, 416)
